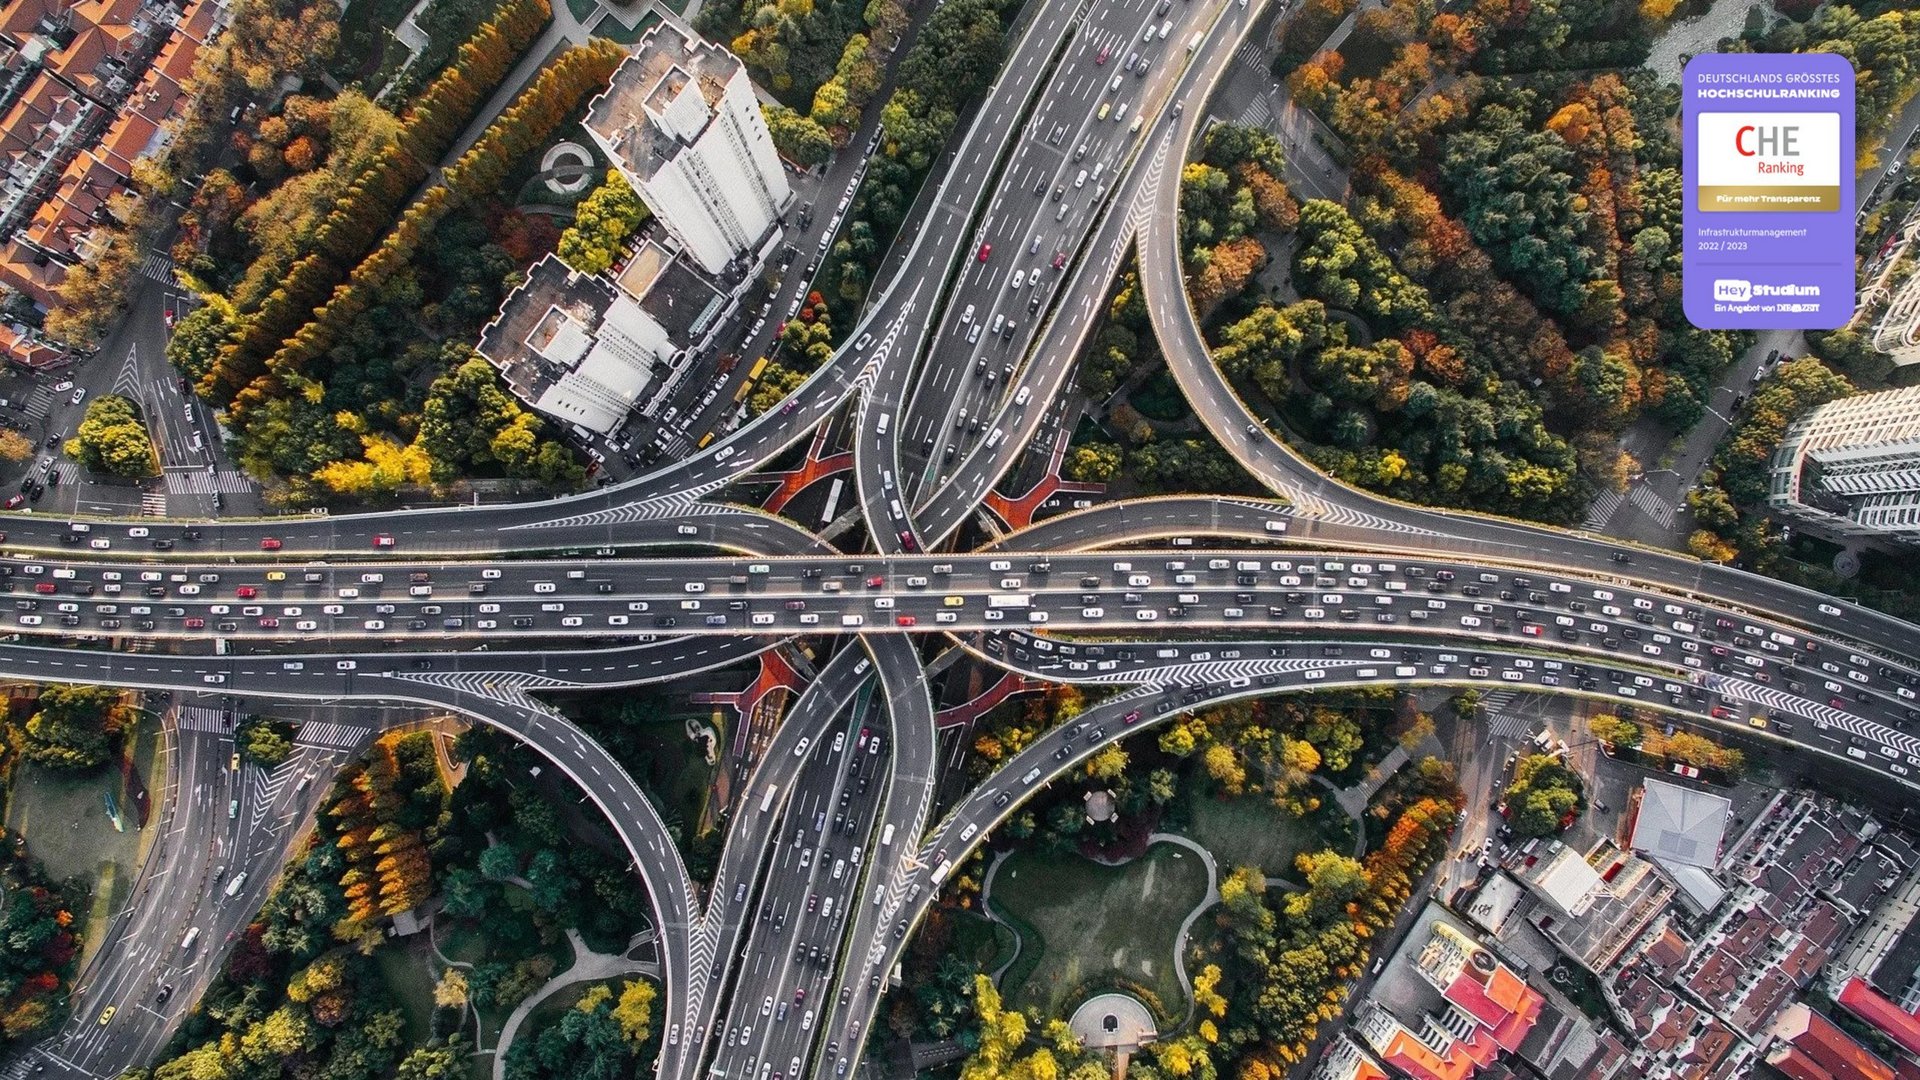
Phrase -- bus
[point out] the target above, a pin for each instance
(886, 835)
(1010, 600)
(766, 800)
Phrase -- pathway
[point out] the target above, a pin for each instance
(588, 966)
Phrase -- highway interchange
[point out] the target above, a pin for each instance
(833, 845)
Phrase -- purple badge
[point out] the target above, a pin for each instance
(1768, 201)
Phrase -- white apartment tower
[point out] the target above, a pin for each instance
(1852, 467)
(680, 120)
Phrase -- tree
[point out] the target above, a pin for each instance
(14, 447)
(1612, 730)
(75, 727)
(111, 438)
(1089, 463)
(263, 742)
(800, 139)
(499, 862)
(601, 225)
(435, 1062)
(1544, 791)
(1704, 545)
(634, 1013)
(197, 338)
(451, 991)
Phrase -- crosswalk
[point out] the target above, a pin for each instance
(1252, 55)
(39, 403)
(329, 734)
(153, 504)
(1500, 723)
(1258, 114)
(1650, 503)
(202, 482)
(157, 267)
(1603, 509)
(201, 718)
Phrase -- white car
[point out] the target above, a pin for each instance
(306, 624)
(1092, 612)
(99, 543)
(1146, 614)
(938, 616)
(79, 395)
(1829, 609)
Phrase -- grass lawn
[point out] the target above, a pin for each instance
(1249, 831)
(407, 967)
(612, 29)
(981, 941)
(1158, 397)
(63, 816)
(1095, 920)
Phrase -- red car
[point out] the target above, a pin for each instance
(246, 592)
(43, 587)
(903, 620)
(1059, 259)
(15, 500)
(985, 250)
(383, 541)
(1104, 53)
(876, 581)
(907, 541)
(269, 623)
(196, 624)
(270, 544)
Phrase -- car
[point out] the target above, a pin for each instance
(15, 501)
(63, 386)
(985, 250)
(383, 540)
(106, 1014)
(79, 395)
(270, 544)
(100, 543)
(246, 592)
(1102, 57)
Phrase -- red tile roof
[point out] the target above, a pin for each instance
(1886, 1017)
(1832, 1049)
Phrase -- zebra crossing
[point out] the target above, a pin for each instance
(157, 267)
(200, 718)
(1602, 510)
(1258, 114)
(1501, 724)
(38, 404)
(329, 734)
(63, 472)
(1252, 55)
(1651, 504)
(202, 482)
(153, 504)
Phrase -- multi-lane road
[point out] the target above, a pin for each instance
(777, 966)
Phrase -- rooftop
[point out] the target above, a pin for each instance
(653, 105)
(1681, 825)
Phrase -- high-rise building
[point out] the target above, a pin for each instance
(1852, 467)
(681, 122)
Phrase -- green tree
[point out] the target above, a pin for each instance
(601, 225)
(75, 727)
(112, 438)
(800, 139)
(1093, 463)
(1543, 792)
(264, 742)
